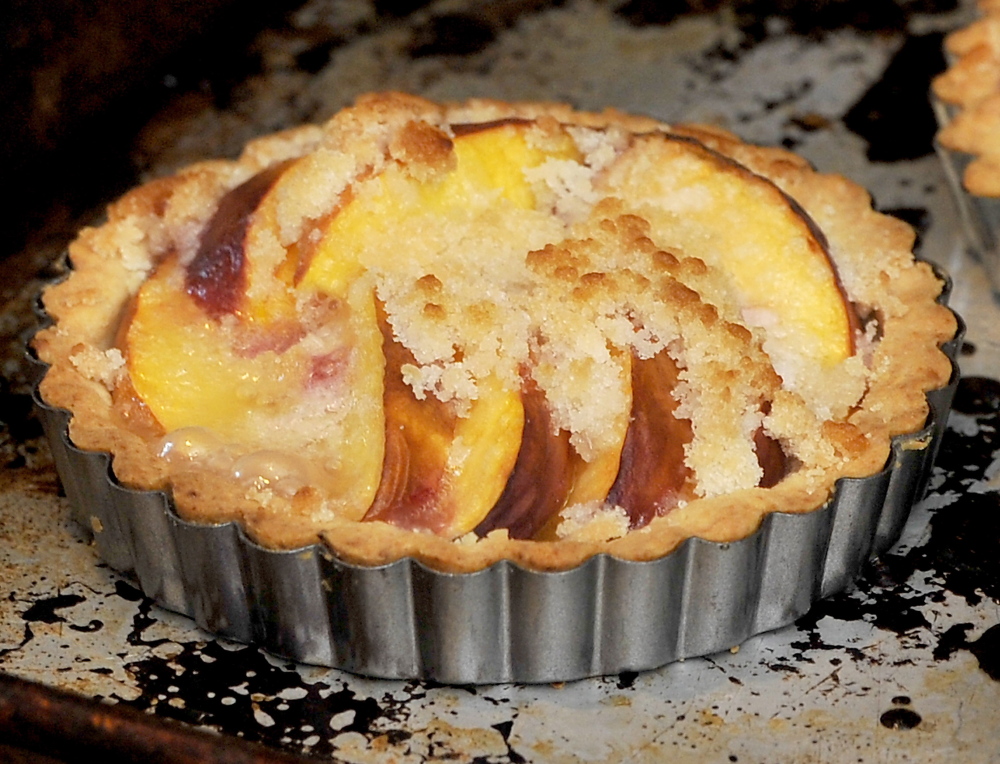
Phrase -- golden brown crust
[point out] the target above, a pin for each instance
(872, 252)
(971, 88)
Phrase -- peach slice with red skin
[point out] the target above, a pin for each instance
(541, 479)
(442, 473)
(653, 478)
(216, 278)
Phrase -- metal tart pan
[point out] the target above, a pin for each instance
(505, 623)
(979, 215)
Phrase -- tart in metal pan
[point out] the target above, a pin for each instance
(495, 392)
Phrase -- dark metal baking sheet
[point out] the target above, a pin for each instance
(902, 668)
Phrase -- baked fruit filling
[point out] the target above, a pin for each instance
(492, 322)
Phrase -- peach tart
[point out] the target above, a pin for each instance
(481, 331)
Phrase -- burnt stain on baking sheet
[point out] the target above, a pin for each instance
(26, 636)
(820, 17)
(626, 679)
(17, 418)
(787, 668)
(962, 548)
(93, 625)
(640, 13)
(313, 59)
(46, 610)
(959, 555)
(128, 592)
(239, 692)
(219, 63)
(813, 19)
(894, 116)
(986, 649)
(900, 719)
(931, 6)
(504, 728)
(881, 599)
(452, 34)
(144, 619)
(978, 396)
(954, 638)
(398, 8)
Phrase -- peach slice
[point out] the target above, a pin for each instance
(770, 456)
(220, 274)
(488, 172)
(542, 477)
(653, 477)
(550, 474)
(593, 479)
(183, 366)
(776, 260)
(442, 472)
(484, 452)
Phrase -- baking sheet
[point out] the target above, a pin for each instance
(903, 668)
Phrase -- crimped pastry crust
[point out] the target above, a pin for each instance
(971, 85)
(837, 424)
